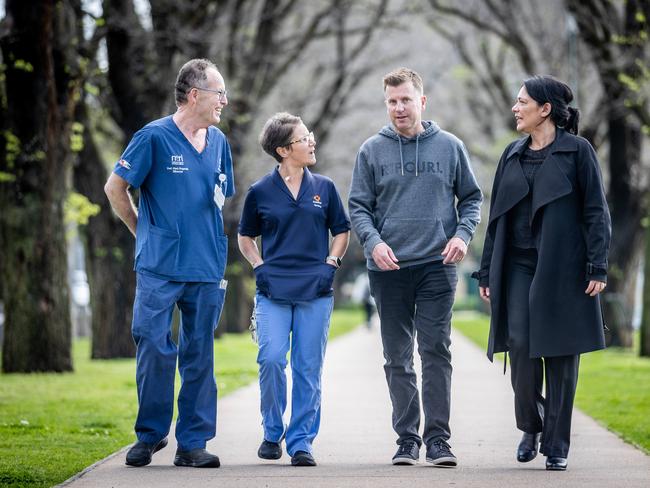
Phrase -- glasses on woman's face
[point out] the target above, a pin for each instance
(305, 139)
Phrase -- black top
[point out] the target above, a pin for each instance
(519, 231)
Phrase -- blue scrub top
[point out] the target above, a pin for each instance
(295, 240)
(180, 233)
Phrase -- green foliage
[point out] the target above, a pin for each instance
(118, 254)
(614, 384)
(7, 177)
(79, 209)
(91, 89)
(76, 137)
(36, 156)
(23, 65)
(645, 222)
(100, 252)
(12, 148)
(54, 425)
(632, 84)
(234, 269)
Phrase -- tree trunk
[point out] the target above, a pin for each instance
(110, 246)
(645, 319)
(616, 35)
(109, 258)
(626, 206)
(41, 83)
(239, 299)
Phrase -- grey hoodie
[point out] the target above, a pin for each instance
(404, 193)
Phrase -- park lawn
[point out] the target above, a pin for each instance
(613, 387)
(54, 425)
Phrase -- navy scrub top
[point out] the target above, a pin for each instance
(295, 240)
(179, 235)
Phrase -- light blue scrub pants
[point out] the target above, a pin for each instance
(200, 306)
(307, 323)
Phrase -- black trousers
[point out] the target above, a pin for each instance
(550, 413)
(414, 303)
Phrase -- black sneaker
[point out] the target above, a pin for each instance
(302, 458)
(270, 450)
(196, 458)
(554, 463)
(439, 454)
(408, 453)
(141, 452)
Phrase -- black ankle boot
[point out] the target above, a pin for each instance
(527, 450)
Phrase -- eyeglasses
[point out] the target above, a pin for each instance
(308, 138)
(220, 93)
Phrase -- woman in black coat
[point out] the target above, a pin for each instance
(544, 263)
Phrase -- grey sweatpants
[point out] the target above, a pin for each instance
(416, 302)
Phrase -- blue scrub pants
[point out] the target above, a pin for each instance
(200, 306)
(307, 323)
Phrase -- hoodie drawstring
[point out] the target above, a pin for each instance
(430, 128)
(401, 157)
(417, 143)
(417, 151)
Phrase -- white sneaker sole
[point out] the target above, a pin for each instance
(404, 461)
(444, 462)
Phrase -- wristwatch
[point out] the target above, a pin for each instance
(336, 259)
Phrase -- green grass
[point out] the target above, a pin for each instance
(54, 425)
(613, 386)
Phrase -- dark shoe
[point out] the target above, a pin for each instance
(141, 452)
(439, 454)
(527, 450)
(554, 463)
(270, 450)
(302, 458)
(196, 458)
(408, 453)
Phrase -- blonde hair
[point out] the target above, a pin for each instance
(402, 75)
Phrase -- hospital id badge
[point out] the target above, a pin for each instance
(219, 197)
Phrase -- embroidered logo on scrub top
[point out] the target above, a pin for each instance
(177, 164)
(124, 163)
(316, 201)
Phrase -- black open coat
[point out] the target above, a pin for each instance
(571, 227)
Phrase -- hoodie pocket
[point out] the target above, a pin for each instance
(414, 238)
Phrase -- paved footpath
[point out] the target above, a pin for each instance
(356, 442)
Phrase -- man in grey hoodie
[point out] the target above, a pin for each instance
(414, 204)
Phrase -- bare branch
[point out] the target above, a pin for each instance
(509, 31)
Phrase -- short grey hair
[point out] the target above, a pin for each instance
(277, 133)
(192, 74)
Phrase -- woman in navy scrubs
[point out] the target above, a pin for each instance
(293, 211)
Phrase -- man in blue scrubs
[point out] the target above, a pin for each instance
(183, 168)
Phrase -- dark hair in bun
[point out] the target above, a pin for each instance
(547, 89)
